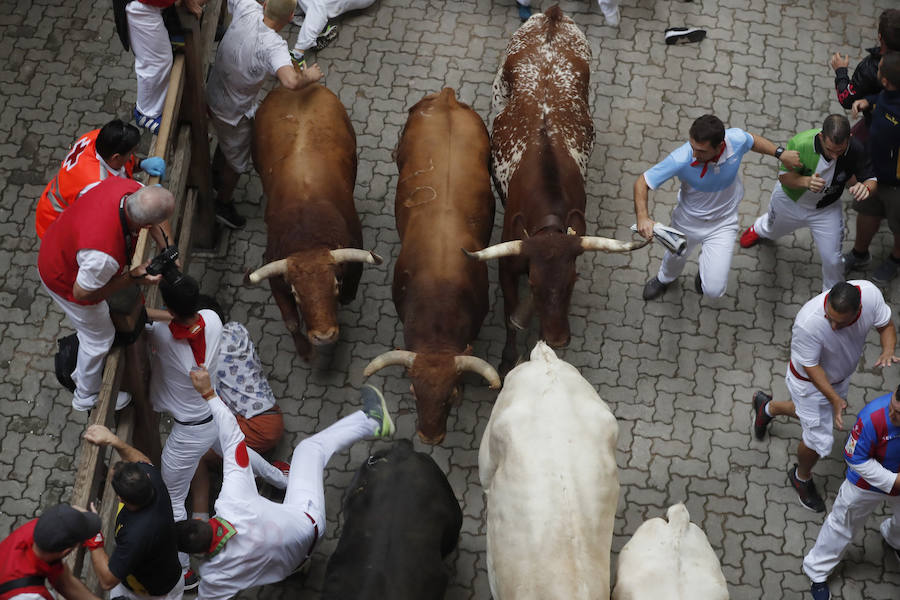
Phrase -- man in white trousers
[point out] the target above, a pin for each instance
(315, 31)
(152, 56)
(708, 199)
(251, 540)
(183, 338)
(609, 8)
(248, 54)
(85, 258)
(872, 453)
(827, 341)
(832, 160)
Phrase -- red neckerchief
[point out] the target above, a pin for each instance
(696, 163)
(858, 314)
(194, 336)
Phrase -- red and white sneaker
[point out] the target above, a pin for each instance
(749, 238)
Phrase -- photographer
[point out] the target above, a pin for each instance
(84, 259)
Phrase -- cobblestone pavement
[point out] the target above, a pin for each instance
(677, 373)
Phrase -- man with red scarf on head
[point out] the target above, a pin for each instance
(181, 339)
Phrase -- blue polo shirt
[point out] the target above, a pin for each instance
(710, 190)
(873, 436)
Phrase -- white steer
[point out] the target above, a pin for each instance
(548, 467)
(669, 561)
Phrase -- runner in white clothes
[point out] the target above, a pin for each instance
(832, 160)
(827, 342)
(249, 53)
(181, 339)
(253, 541)
(315, 31)
(708, 199)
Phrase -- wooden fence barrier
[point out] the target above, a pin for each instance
(182, 140)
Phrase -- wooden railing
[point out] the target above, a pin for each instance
(183, 142)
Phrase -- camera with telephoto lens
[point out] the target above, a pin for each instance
(164, 263)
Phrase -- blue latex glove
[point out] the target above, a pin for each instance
(154, 166)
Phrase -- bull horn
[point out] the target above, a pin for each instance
(272, 269)
(391, 357)
(512, 248)
(342, 255)
(610, 245)
(476, 365)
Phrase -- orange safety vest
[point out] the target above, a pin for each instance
(81, 170)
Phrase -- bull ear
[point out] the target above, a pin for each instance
(575, 220)
(610, 245)
(477, 365)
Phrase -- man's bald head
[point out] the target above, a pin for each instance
(280, 11)
(150, 205)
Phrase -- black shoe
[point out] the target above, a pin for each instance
(820, 591)
(683, 35)
(698, 284)
(761, 420)
(327, 37)
(229, 217)
(654, 289)
(191, 580)
(806, 491)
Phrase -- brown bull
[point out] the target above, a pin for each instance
(304, 150)
(542, 139)
(444, 202)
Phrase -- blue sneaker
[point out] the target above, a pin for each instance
(148, 123)
(820, 591)
(375, 408)
(524, 12)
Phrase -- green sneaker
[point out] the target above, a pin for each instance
(297, 58)
(375, 408)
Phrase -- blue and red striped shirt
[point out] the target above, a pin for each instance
(873, 436)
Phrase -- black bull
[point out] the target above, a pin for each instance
(401, 518)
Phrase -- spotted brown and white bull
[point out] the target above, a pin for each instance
(443, 202)
(304, 150)
(541, 142)
(547, 464)
(669, 560)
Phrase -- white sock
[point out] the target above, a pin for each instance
(201, 516)
(797, 475)
(766, 408)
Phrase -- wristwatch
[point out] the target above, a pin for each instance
(779, 151)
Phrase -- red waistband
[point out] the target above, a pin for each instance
(801, 377)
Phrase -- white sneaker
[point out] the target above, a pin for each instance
(83, 404)
(612, 19)
(297, 20)
(123, 400)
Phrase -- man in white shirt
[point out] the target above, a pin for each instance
(708, 167)
(85, 258)
(182, 340)
(827, 341)
(250, 51)
(253, 541)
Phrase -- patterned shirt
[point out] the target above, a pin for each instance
(241, 383)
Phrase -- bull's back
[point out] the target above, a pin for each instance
(669, 560)
(401, 517)
(444, 200)
(548, 466)
(543, 82)
(304, 148)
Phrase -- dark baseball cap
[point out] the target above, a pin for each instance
(61, 527)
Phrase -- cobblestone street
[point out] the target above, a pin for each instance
(678, 373)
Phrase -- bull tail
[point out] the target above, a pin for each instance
(554, 16)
